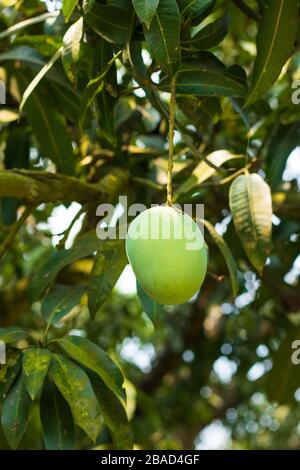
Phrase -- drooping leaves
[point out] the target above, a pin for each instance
(203, 171)
(113, 413)
(251, 207)
(211, 35)
(276, 35)
(163, 36)
(73, 383)
(15, 413)
(152, 309)
(108, 266)
(68, 8)
(209, 81)
(71, 48)
(109, 21)
(226, 252)
(91, 356)
(36, 362)
(60, 301)
(194, 7)
(145, 10)
(84, 246)
(57, 420)
(9, 371)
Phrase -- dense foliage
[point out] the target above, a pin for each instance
(86, 120)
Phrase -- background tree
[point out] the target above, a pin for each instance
(86, 120)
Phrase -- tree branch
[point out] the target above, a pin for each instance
(35, 187)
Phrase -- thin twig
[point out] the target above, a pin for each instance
(244, 8)
(14, 230)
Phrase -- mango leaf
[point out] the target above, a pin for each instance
(36, 362)
(34, 83)
(284, 142)
(163, 36)
(226, 252)
(283, 379)
(28, 22)
(152, 309)
(86, 245)
(203, 171)
(12, 334)
(211, 35)
(194, 6)
(49, 127)
(109, 264)
(113, 413)
(9, 371)
(73, 383)
(60, 301)
(109, 21)
(57, 420)
(145, 10)
(276, 36)
(71, 48)
(94, 358)
(251, 207)
(68, 8)
(15, 413)
(206, 81)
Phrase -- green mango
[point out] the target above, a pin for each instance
(168, 255)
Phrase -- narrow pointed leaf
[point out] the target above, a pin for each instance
(74, 384)
(276, 36)
(163, 36)
(152, 309)
(68, 8)
(145, 9)
(91, 356)
(60, 301)
(15, 413)
(57, 420)
(36, 362)
(109, 263)
(71, 48)
(211, 35)
(226, 252)
(251, 207)
(109, 21)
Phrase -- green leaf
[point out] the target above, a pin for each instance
(12, 334)
(60, 301)
(145, 9)
(203, 171)
(15, 413)
(73, 383)
(206, 81)
(34, 83)
(109, 21)
(113, 413)
(109, 264)
(36, 362)
(163, 36)
(91, 356)
(251, 207)
(71, 48)
(226, 252)
(193, 7)
(283, 379)
(276, 36)
(152, 309)
(85, 246)
(57, 420)
(282, 145)
(211, 35)
(50, 128)
(68, 8)
(9, 371)
(28, 22)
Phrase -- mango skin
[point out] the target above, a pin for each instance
(167, 269)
